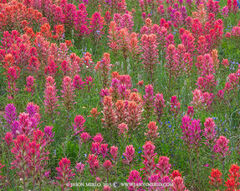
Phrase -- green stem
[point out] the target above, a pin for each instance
(125, 65)
(190, 163)
(223, 168)
(198, 167)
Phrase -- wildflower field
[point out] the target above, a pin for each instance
(119, 95)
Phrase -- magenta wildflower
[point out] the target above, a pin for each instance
(12, 76)
(85, 137)
(78, 125)
(32, 109)
(163, 166)
(98, 179)
(98, 138)
(191, 130)
(67, 93)
(24, 124)
(104, 67)
(209, 130)
(30, 84)
(134, 114)
(171, 64)
(96, 25)
(123, 129)
(51, 68)
(107, 188)
(235, 7)
(206, 83)
(114, 152)
(152, 132)
(109, 116)
(175, 105)
(149, 53)
(221, 147)
(50, 81)
(107, 165)
(201, 100)
(104, 150)
(154, 179)
(129, 154)
(51, 100)
(134, 181)
(178, 184)
(124, 21)
(95, 148)
(159, 104)
(10, 114)
(165, 180)
(78, 83)
(190, 111)
(148, 100)
(80, 22)
(149, 157)
(65, 67)
(49, 133)
(89, 82)
(103, 93)
(20, 149)
(80, 167)
(113, 36)
(30, 157)
(8, 139)
(93, 163)
(64, 173)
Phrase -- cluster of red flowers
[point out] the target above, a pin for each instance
(232, 182)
